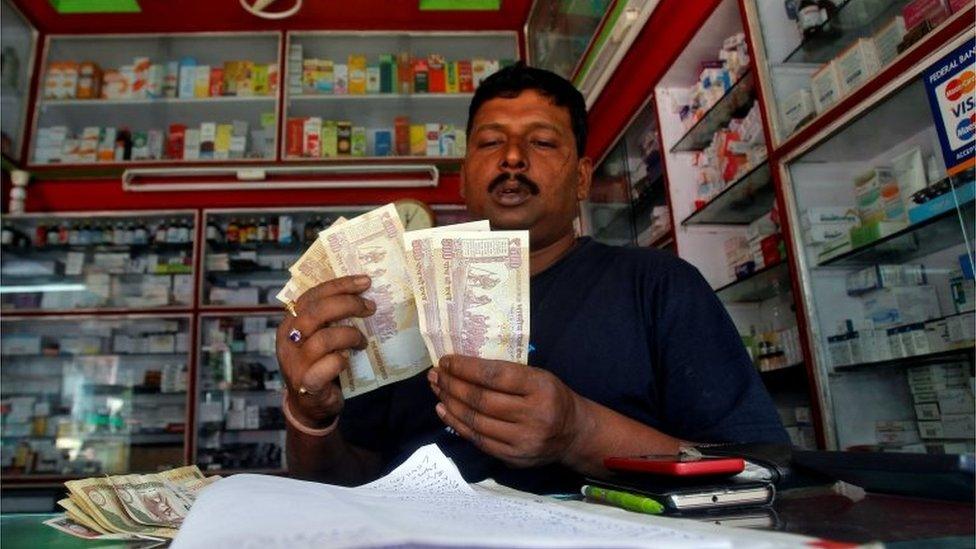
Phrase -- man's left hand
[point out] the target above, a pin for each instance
(522, 415)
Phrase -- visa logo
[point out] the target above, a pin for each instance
(964, 107)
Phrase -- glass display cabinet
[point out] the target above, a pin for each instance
(723, 200)
(86, 396)
(17, 39)
(103, 261)
(239, 391)
(559, 33)
(371, 95)
(628, 202)
(811, 55)
(119, 99)
(885, 231)
(248, 251)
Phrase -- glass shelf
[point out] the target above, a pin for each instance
(843, 29)
(67, 262)
(735, 102)
(761, 285)
(920, 239)
(114, 103)
(380, 96)
(745, 199)
(910, 361)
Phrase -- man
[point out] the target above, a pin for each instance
(631, 352)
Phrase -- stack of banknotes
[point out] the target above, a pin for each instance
(130, 507)
(458, 289)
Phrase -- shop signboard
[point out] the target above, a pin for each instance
(950, 83)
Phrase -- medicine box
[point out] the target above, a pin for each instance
(956, 401)
(927, 411)
(896, 306)
(887, 39)
(857, 64)
(958, 425)
(826, 87)
(798, 109)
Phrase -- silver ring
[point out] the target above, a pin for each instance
(303, 391)
(295, 335)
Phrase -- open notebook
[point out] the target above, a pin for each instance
(425, 501)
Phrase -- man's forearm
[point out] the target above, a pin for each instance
(330, 459)
(603, 432)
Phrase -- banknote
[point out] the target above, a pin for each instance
(70, 526)
(372, 244)
(311, 269)
(103, 504)
(417, 245)
(482, 282)
(150, 500)
(78, 514)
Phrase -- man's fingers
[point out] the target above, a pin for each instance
(503, 406)
(331, 339)
(498, 375)
(320, 375)
(483, 441)
(313, 314)
(481, 425)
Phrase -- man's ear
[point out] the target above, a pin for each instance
(584, 178)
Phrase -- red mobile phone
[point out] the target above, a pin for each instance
(682, 466)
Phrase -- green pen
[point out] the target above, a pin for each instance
(624, 500)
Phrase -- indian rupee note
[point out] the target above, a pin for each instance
(372, 244)
(70, 526)
(79, 515)
(149, 500)
(483, 293)
(104, 505)
(420, 265)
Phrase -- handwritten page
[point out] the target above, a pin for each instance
(425, 501)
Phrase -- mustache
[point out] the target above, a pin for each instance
(520, 177)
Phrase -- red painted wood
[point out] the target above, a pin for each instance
(227, 15)
(107, 194)
(665, 35)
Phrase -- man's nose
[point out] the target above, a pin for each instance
(514, 158)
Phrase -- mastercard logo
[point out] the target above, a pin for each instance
(961, 85)
(966, 128)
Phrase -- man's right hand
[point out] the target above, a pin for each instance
(322, 352)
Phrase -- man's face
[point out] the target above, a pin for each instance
(521, 170)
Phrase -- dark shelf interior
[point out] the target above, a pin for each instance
(747, 198)
(735, 102)
(761, 285)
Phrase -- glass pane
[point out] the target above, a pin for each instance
(88, 396)
(628, 202)
(560, 31)
(887, 242)
(248, 252)
(185, 98)
(128, 261)
(823, 51)
(239, 419)
(17, 43)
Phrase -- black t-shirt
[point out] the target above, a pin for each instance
(636, 330)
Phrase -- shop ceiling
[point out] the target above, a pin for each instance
(228, 15)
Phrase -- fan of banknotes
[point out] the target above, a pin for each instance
(130, 507)
(457, 289)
